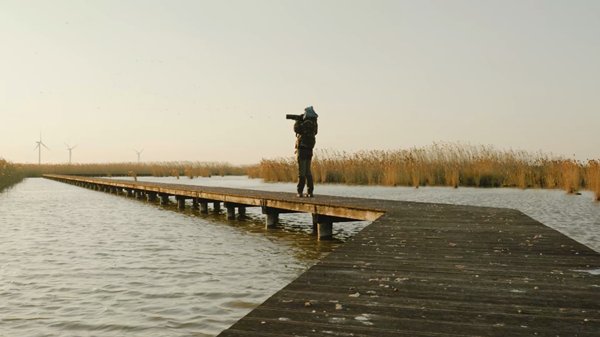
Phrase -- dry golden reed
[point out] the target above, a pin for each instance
(593, 178)
(10, 174)
(131, 174)
(440, 164)
(157, 169)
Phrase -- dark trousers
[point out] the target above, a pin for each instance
(304, 173)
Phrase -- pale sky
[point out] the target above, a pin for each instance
(213, 80)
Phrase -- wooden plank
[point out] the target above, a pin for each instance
(443, 273)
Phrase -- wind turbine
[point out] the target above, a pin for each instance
(70, 148)
(40, 148)
(138, 153)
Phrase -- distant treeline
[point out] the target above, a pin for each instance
(444, 164)
(10, 174)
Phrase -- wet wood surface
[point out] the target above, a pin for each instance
(434, 270)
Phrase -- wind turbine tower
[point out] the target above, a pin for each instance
(39, 146)
(138, 153)
(70, 148)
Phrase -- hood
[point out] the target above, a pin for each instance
(310, 113)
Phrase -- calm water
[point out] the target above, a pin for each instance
(75, 262)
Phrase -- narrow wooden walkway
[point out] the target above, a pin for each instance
(326, 210)
(437, 270)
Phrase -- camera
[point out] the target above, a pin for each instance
(294, 117)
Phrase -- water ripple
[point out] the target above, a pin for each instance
(76, 262)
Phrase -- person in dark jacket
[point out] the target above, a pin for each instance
(306, 129)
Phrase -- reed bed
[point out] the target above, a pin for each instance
(10, 174)
(593, 178)
(441, 164)
(156, 169)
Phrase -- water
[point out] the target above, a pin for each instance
(76, 262)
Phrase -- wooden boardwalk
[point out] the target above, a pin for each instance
(434, 270)
(326, 210)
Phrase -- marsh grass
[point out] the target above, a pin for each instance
(440, 164)
(10, 174)
(157, 169)
(129, 173)
(593, 177)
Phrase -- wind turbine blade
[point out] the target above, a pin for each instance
(45, 146)
(68, 147)
(36, 147)
(142, 150)
(74, 147)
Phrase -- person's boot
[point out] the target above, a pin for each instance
(300, 187)
(311, 186)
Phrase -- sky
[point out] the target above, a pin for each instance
(213, 80)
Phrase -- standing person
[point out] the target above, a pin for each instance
(306, 129)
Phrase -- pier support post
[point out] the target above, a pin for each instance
(315, 218)
(325, 228)
(128, 192)
(164, 199)
(139, 194)
(217, 206)
(204, 207)
(180, 202)
(272, 220)
(113, 190)
(230, 212)
(195, 204)
(151, 196)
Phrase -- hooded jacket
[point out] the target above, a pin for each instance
(306, 129)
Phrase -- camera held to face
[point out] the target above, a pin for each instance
(295, 117)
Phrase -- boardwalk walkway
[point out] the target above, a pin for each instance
(435, 270)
